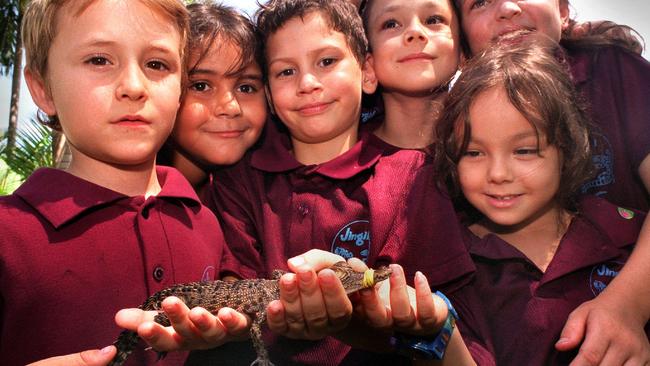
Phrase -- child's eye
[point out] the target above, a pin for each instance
(527, 151)
(327, 61)
(98, 61)
(200, 86)
(157, 65)
(435, 19)
(478, 4)
(286, 72)
(472, 153)
(389, 24)
(247, 89)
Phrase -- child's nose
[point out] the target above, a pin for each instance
(131, 84)
(308, 83)
(414, 33)
(508, 9)
(227, 105)
(499, 170)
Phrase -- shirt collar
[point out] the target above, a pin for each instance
(60, 196)
(274, 156)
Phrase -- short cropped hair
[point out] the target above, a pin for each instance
(341, 15)
(39, 29)
(213, 23)
(538, 84)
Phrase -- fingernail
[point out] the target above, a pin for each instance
(106, 349)
(297, 261)
(562, 340)
(304, 276)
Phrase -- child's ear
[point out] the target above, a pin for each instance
(40, 93)
(269, 98)
(564, 13)
(369, 83)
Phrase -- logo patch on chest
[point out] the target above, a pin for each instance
(353, 240)
(602, 274)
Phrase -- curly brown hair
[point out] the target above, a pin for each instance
(537, 82)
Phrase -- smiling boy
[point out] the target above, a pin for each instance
(316, 182)
(112, 229)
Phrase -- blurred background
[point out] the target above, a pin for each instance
(629, 12)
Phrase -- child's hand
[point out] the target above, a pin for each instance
(191, 329)
(402, 308)
(93, 357)
(311, 305)
(611, 336)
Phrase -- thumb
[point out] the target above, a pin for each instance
(313, 259)
(93, 357)
(573, 332)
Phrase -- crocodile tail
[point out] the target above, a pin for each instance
(125, 344)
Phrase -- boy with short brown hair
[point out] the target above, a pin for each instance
(316, 182)
(112, 229)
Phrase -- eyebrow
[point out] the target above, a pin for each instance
(100, 42)
(315, 51)
(395, 7)
(248, 75)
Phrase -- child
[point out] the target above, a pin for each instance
(324, 185)
(516, 143)
(112, 229)
(616, 84)
(223, 110)
(415, 52)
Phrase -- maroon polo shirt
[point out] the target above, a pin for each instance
(525, 309)
(616, 85)
(74, 253)
(375, 202)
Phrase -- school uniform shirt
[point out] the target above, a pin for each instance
(375, 202)
(525, 309)
(73, 253)
(616, 85)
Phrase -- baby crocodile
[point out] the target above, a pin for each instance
(249, 297)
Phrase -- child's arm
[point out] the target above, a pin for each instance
(611, 326)
(93, 357)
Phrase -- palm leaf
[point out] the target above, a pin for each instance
(33, 149)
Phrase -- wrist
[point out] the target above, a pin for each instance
(428, 347)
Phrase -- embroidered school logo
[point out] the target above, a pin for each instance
(353, 240)
(603, 161)
(602, 275)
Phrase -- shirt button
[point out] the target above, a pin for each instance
(158, 273)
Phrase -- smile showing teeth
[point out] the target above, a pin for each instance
(503, 198)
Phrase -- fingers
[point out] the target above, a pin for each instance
(290, 298)
(427, 317)
(373, 309)
(402, 312)
(313, 305)
(178, 312)
(314, 260)
(131, 318)
(275, 317)
(337, 304)
(573, 331)
(86, 358)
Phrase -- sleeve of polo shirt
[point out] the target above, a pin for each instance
(631, 90)
(472, 324)
(231, 202)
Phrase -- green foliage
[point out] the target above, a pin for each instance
(10, 16)
(33, 149)
(9, 180)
